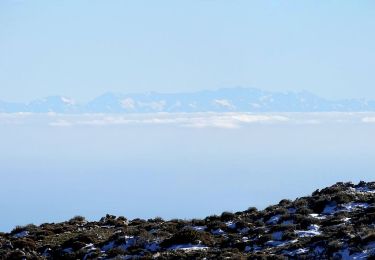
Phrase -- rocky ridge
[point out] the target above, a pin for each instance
(337, 222)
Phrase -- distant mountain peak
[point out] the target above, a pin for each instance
(236, 99)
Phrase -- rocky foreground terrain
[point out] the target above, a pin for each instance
(337, 222)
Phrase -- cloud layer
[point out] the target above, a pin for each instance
(191, 120)
(201, 120)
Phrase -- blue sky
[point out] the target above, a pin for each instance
(85, 48)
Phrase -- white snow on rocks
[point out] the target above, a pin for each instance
(231, 224)
(199, 228)
(312, 230)
(90, 249)
(274, 219)
(21, 234)
(318, 216)
(333, 208)
(218, 231)
(188, 247)
(354, 205)
(296, 252)
(369, 250)
(245, 239)
(273, 243)
(129, 241)
(363, 190)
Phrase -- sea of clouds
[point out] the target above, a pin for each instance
(56, 166)
(190, 120)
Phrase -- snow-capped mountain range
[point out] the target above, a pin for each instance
(222, 100)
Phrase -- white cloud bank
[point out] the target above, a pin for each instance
(192, 120)
(196, 120)
(368, 119)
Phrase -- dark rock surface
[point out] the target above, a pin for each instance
(337, 222)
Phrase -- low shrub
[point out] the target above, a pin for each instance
(15, 255)
(116, 252)
(285, 203)
(24, 243)
(304, 211)
(187, 236)
(198, 222)
(18, 229)
(227, 216)
(343, 197)
(251, 210)
(214, 225)
(301, 203)
(77, 220)
(79, 241)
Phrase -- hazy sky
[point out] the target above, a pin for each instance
(84, 48)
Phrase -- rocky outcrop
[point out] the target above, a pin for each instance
(337, 222)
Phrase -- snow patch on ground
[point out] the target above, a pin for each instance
(21, 234)
(245, 239)
(364, 190)
(333, 208)
(312, 230)
(345, 254)
(188, 247)
(231, 224)
(218, 231)
(199, 228)
(273, 243)
(296, 252)
(90, 250)
(274, 219)
(318, 216)
(354, 205)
